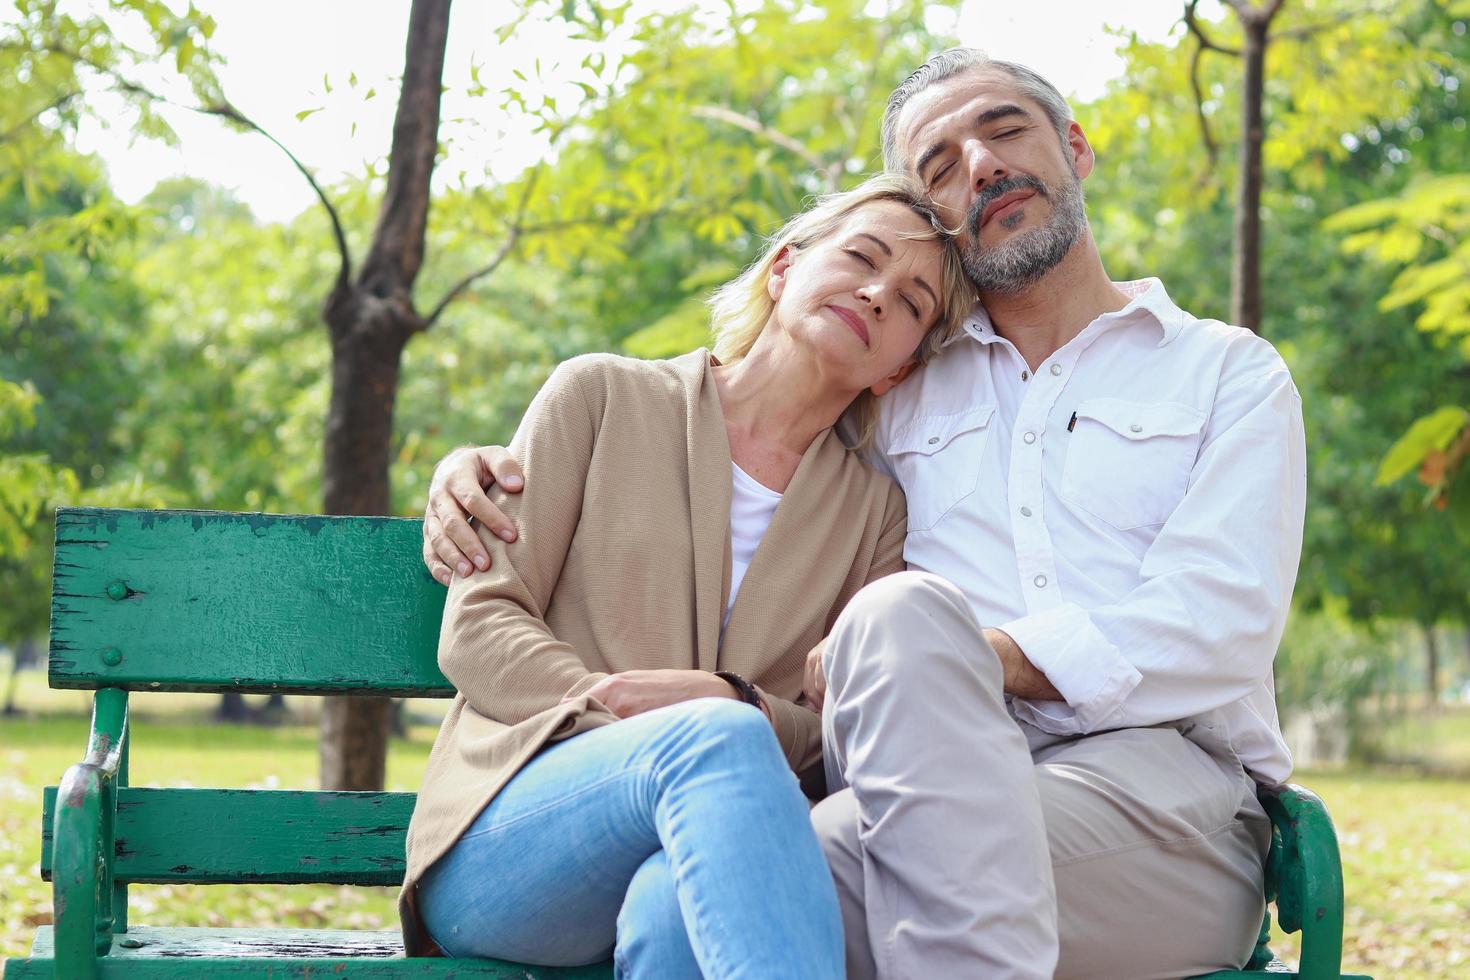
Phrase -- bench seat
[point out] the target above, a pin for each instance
(148, 951)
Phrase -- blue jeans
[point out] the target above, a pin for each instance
(675, 841)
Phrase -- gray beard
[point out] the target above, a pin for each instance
(1022, 260)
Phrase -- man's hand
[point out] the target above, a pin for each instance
(633, 692)
(457, 493)
(1022, 679)
(814, 679)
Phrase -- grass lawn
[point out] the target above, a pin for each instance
(1405, 838)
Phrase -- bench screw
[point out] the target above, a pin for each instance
(117, 591)
(112, 656)
(131, 943)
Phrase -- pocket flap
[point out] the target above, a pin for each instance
(928, 435)
(1143, 420)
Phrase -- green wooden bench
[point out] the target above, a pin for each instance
(196, 601)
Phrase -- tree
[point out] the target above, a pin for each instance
(1310, 42)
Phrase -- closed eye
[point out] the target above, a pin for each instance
(913, 308)
(942, 173)
(860, 257)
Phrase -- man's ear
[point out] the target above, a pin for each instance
(777, 281)
(889, 383)
(1079, 151)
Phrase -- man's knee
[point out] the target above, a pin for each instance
(902, 627)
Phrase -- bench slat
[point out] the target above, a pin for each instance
(225, 836)
(147, 952)
(204, 601)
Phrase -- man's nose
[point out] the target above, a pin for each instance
(983, 166)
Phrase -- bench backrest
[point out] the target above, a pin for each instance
(203, 601)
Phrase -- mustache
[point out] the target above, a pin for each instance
(1020, 182)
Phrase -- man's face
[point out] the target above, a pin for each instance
(995, 165)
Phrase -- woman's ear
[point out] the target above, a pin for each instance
(889, 383)
(777, 280)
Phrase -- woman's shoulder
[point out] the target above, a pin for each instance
(604, 374)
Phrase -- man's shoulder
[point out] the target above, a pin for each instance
(1237, 354)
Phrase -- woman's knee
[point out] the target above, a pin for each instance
(718, 733)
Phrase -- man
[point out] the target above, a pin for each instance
(1044, 739)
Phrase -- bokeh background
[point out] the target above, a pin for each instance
(180, 184)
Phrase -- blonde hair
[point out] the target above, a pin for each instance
(741, 308)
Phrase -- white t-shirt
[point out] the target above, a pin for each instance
(751, 508)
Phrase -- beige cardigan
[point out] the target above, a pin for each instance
(623, 563)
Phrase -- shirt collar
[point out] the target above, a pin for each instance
(1145, 296)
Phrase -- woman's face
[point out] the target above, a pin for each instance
(864, 296)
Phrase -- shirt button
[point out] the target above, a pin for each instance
(1040, 581)
(1135, 427)
(1025, 511)
(933, 440)
(1056, 369)
(1025, 375)
(1029, 438)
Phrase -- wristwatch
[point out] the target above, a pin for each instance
(747, 690)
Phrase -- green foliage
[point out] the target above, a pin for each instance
(1327, 661)
(29, 482)
(1431, 434)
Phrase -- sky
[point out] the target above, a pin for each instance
(287, 56)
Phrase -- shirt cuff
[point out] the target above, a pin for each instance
(1083, 665)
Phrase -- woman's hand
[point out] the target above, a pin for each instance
(633, 692)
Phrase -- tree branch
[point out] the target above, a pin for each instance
(512, 236)
(1206, 42)
(225, 110)
(1212, 151)
(11, 133)
(758, 128)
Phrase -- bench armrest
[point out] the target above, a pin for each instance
(1304, 874)
(83, 843)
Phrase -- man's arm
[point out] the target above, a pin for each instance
(1022, 678)
(1200, 629)
(457, 493)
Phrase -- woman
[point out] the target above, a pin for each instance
(598, 787)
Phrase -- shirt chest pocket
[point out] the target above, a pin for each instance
(1128, 463)
(937, 462)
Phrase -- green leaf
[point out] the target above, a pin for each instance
(1432, 433)
(304, 113)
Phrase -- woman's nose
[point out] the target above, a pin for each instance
(872, 294)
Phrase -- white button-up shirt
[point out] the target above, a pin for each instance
(1131, 513)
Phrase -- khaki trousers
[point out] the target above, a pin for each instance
(965, 843)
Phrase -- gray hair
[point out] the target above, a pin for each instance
(955, 61)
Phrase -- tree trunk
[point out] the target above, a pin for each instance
(1431, 667)
(371, 319)
(1245, 271)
